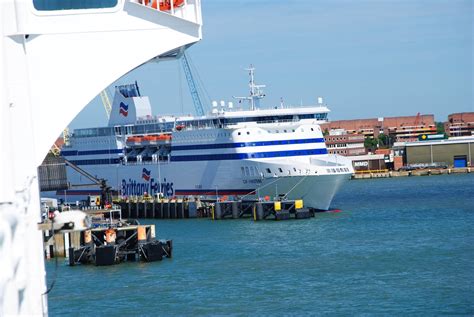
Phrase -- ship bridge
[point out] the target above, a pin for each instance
(55, 57)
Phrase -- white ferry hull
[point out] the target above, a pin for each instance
(221, 178)
(316, 191)
(240, 154)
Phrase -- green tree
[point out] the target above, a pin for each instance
(370, 143)
(440, 128)
(383, 140)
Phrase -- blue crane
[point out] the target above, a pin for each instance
(192, 86)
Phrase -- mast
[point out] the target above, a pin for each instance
(256, 92)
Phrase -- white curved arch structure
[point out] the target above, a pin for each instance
(52, 63)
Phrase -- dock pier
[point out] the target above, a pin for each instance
(216, 210)
(109, 239)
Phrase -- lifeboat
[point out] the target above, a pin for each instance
(150, 138)
(164, 137)
(155, 138)
(180, 127)
(135, 139)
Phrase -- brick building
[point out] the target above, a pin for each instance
(406, 128)
(460, 124)
(338, 142)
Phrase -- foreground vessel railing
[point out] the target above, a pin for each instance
(46, 53)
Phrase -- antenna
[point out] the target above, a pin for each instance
(256, 92)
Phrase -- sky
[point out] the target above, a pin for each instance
(367, 59)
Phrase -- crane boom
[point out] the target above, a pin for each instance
(106, 101)
(192, 86)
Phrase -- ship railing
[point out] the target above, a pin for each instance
(186, 9)
(207, 126)
(146, 161)
(278, 121)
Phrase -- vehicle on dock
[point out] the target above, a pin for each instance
(250, 153)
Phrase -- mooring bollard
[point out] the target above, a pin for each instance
(217, 211)
(258, 211)
(235, 210)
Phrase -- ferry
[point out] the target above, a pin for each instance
(231, 152)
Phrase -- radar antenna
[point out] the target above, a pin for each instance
(256, 92)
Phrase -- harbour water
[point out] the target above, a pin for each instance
(399, 246)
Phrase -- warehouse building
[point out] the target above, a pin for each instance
(452, 152)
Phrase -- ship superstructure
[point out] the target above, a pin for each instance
(278, 152)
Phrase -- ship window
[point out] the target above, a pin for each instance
(55, 5)
(284, 131)
(293, 130)
(269, 171)
(248, 132)
(312, 129)
(238, 133)
(247, 173)
(254, 171)
(281, 171)
(242, 171)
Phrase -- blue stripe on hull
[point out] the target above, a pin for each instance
(91, 152)
(212, 192)
(214, 157)
(79, 192)
(243, 144)
(201, 146)
(243, 156)
(96, 161)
